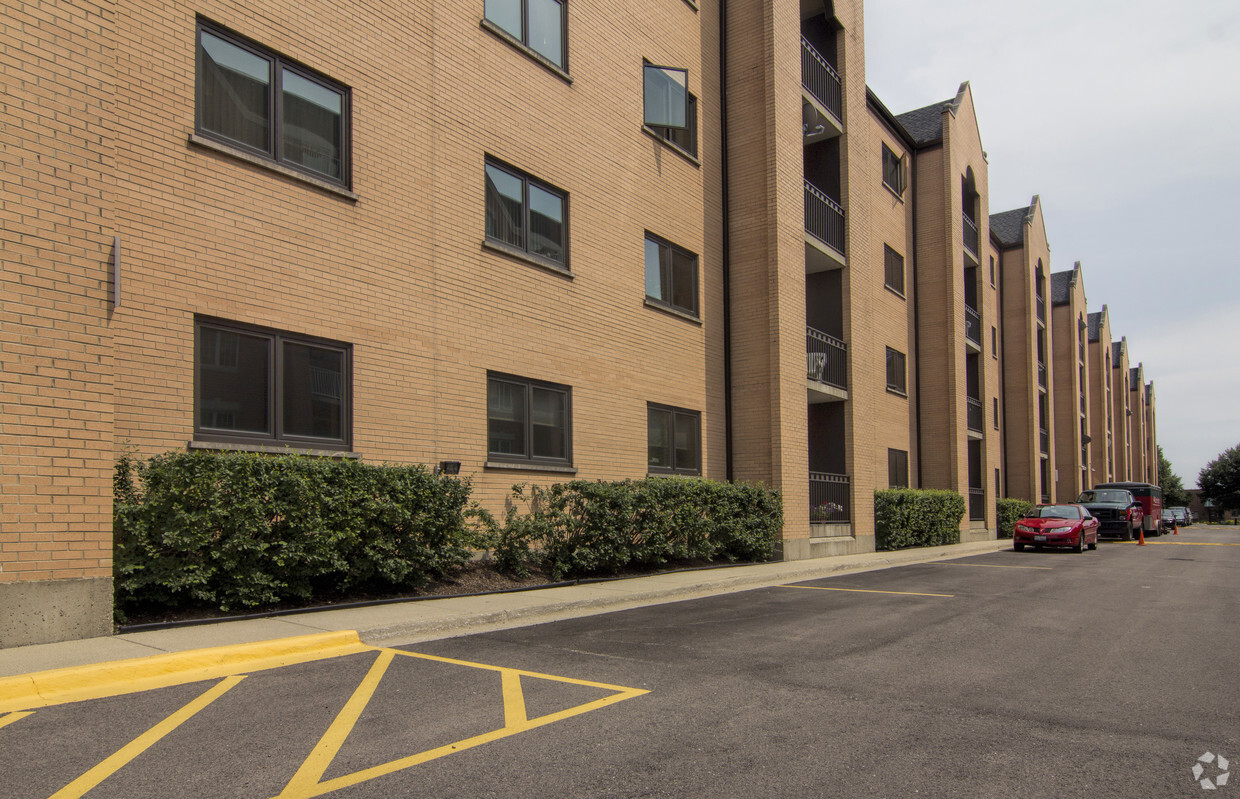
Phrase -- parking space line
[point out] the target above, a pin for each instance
(997, 566)
(1186, 544)
(9, 718)
(306, 782)
(146, 740)
(863, 590)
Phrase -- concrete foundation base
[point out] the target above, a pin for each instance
(48, 611)
(826, 547)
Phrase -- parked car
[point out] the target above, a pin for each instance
(1168, 518)
(1061, 525)
(1151, 499)
(1116, 509)
(1182, 516)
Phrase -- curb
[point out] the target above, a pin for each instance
(117, 677)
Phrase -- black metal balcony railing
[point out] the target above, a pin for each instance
(976, 417)
(821, 80)
(824, 218)
(1041, 375)
(829, 498)
(977, 504)
(972, 325)
(1083, 403)
(1045, 436)
(826, 358)
(970, 235)
(1042, 309)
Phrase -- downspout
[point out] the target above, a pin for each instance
(912, 193)
(725, 265)
(1003, 367)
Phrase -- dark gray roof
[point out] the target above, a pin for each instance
(1117, 349)
(1134, 377)
(925, 125)
(1061, 287)
(1009, 226)
(1094, 320)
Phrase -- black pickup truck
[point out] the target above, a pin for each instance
(1116, 508)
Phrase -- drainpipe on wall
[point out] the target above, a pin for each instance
(724, 263)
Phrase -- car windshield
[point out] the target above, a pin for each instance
(1057, 512)
(1122, 497)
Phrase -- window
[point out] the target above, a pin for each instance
(995, 401)
(897, 468)
(673, 440)
(671, 275)
(263, 386)
(257, 100)
(893, 270)
(525, 214)
(992, 271)
(893, 171)
(682, 138)
(528, 420)
(994, 342)
(895, 371)
(539, 25)
(665, 96)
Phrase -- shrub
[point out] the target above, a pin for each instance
(583, 528)
(905, 517)
(1009, 511)
(238, 530)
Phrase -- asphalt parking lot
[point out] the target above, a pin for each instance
(1107, 673)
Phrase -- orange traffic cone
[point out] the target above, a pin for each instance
(1141, 542)
(1175, 528)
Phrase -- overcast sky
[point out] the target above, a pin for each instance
(1124, 116)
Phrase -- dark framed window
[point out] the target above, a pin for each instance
(895, 371)
(665, 96)
(673, 440)
(528, 420)
(897, 468)
(682, 138)
(995, 402)
(994, 342)
(671, 275)
(254, 385)
(893, 170)
(540, 25)
(526, 214)
(893, 270)
(253, 98)
(992, 271)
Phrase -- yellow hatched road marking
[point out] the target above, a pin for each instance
(1180, 543)
(146, 740)
(307, 781)
(9, 718)
(862, 590)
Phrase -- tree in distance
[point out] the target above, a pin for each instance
(1220, 480)
(1172, 486)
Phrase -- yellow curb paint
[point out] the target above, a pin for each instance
(997, 566)
(862, 590)
(12, 717)
(117, 677)
(126, 754)
(305, 782)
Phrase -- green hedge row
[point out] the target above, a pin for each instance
(238, 530)
(1009, 511)
(583, 528)
(905, 517)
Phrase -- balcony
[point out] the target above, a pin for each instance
(824, 224)
(1045, 437)
(826, 359)
(975, 417)
(1083, 411)
(977, 504)
(822, 83)
(971, 238)
(1042, 309)
(973, 325)
(1041, 375)
(829, 498)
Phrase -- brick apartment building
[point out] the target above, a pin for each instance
(534, 238)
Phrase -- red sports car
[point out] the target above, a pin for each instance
(1056, 526)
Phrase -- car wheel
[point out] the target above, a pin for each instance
(1095, 544)
(1080, 543)
(1018, 547)
(1127, 533)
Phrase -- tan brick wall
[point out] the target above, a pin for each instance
(1120, 395)
(1068, 366)
(1137, 468)
(1101, 404)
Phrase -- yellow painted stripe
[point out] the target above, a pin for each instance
(997, 566)
(78, 683)
(307, 777)
(12, 717)
(146, 740)
(514, 700)
(1179, 544)
(862, 590)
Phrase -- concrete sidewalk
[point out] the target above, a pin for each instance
(403, 623)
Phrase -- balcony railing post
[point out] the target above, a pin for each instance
(824, 218)
(970, 235)
(822, 81)
(829, 498)
(827, 358)
(977, 504)
(975, 418)
(972, 325)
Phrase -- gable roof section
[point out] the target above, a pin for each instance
(1094, 321)
(1117, 352)
(925, 124)
(1061, 287)
(1008, 227)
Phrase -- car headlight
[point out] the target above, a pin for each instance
(1060, 530)
(1024, 528)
